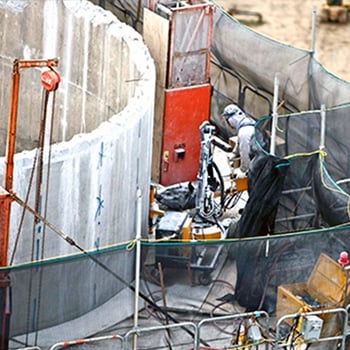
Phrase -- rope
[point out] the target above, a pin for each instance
(39, 176)
(46, 201)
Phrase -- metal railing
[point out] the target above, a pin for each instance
(137, 332)
(239, 317)
(290, 342)
(296, 335)
(87, 340)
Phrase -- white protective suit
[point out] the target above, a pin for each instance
(244, 125)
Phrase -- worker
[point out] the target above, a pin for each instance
(244, 126)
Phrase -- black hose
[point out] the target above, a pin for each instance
(222, 184)
(131, 287)
(222, 146)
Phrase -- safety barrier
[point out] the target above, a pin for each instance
(239, 317)
(303, 334)
(312, 332)
(87, 340)
(136, 332)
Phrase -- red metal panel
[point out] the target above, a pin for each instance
(184, 111)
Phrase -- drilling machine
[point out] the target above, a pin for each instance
(200, 222)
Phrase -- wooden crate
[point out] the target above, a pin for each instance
(325, 289)
(289, 299)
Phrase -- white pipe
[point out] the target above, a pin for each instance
(138, 262)
(274, 115)
(164, 9)
(273, 134)
(79, 342)
(313, 30)
(323, 127)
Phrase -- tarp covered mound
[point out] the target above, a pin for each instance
(297, 189)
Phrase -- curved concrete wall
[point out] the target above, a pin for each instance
(99, 157)
(102, 128)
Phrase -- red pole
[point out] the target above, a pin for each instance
(5, 208)
(5, 193)
(11, 132)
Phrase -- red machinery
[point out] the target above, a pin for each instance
(179, 36)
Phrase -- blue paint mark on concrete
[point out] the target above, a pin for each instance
(97, 242)
(101, 155)
(100, 203)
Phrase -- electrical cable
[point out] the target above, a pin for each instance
(280, 253)
(191, 311)
(231, 199)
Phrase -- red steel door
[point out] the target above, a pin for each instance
(185, 109)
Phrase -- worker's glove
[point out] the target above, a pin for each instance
(238, 173)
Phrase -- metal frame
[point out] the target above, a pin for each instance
(197, 329)
(256, 314)
(138, 331)
(84, 341)
(340, 337)
(206, 9)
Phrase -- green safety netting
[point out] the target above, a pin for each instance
(179, 282)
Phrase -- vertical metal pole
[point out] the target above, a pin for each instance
(5, 209)
(138, 263)
(312, 52)
(313, 30)
(273, 133)
(274, 115)
(323, 127)
(12, 125)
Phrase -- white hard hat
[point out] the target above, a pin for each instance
(231, 110)
(234, 115)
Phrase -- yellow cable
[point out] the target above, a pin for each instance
(131, 245)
